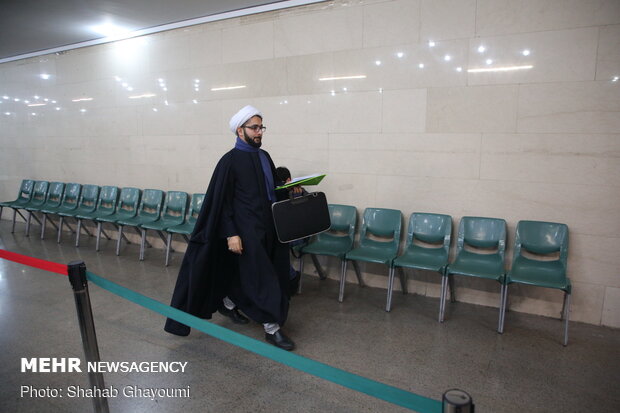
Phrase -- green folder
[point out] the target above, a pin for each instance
(304, 180)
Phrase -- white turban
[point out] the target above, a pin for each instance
(242, 116)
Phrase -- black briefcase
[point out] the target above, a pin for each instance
(301, 217)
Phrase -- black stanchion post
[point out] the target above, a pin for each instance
(77, 278)
(457, 401)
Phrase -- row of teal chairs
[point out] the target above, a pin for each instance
(145, 210)
(539, 258)
(480, 245)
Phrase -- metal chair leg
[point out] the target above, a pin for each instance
(318, 267)
(14, 216)
(358, 273)
(98, 236)
(28, 223)
(118, 241)
(502, 302)
(77, 233)
(452, 290)
(301, 272)
(59, 230)
(442, 297)
(566, 316)
(403, 280)
(43, 226)
(142, 242)
(343, 276)
(168, 242)
(504, 305)
(388, 306)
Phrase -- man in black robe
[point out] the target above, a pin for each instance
(234, 259)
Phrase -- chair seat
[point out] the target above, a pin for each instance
(58, 211)
(186, 228)
(488, 266)
(433, 259)
(75, 212)
(115, 217)
(162, 224)
(550, 274)
(95, 215)
(333, 246)
(34, 208)
(137, 221)
(371, 254)
(20, 203)
(49, 210)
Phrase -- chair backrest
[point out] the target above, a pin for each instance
(89, 197)
(128, 202)
(108, 197)
(542, 238)
(71, 195)
(175, 206)
(150, 205)
(39, 193)
(54, 195)
(383, 223)
(194, 209)
(25, 190)
(482, 232)
(343, 222)
(430, 229)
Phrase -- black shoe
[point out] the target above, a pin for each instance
(278, 339)
(234, 315)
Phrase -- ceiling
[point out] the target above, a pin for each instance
(31, 26)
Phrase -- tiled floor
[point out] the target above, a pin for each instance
(524, 370)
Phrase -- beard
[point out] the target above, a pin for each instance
(251, 141)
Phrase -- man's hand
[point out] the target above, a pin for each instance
(234, 244)
(296, 190)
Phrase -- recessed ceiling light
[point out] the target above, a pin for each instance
(322, 79)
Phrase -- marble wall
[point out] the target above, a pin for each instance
(499, 108)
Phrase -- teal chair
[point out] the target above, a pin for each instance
(126, 208)
(86, 204)
(39, 196)
(106, 205)
(52, 200)
(187, 227)
(69, 202)
(427, 248)
(540, 259)
(148, 211)
(480, 249)
(23, 197)
(379, 241)
(173, 214)
(335, 242)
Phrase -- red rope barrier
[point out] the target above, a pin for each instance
(34, 262)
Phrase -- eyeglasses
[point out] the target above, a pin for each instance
(256, 128)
